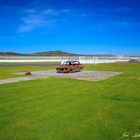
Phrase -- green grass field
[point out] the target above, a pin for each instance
(8, 72)
(67, 109)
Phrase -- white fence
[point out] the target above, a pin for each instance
(61, 59)
(96, 59)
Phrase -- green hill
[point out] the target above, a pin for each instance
(53, 53)
(11, 54)
(49, 53)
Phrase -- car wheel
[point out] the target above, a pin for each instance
(72, 70)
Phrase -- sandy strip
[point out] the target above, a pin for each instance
(19, 79)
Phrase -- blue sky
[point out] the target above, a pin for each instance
(77, 26)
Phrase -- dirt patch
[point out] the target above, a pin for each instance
(138, 78)
(134, 78)
(84, 75)
(19, 79)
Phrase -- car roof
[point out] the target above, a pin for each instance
(72, 61)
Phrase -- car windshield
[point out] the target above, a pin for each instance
(71, 63)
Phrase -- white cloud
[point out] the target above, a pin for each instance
(31, 22)
(33, 18)
(45, 18)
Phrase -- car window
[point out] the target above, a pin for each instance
(76, 63)
(71, 63)
(67, 63)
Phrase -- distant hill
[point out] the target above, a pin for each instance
(11, 54)
(53, 53)
(48, 53)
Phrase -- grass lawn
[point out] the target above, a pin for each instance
(8, 72)
(67, 109)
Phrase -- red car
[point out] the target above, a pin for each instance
(70, 66)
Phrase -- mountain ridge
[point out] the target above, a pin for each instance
(48, 53)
